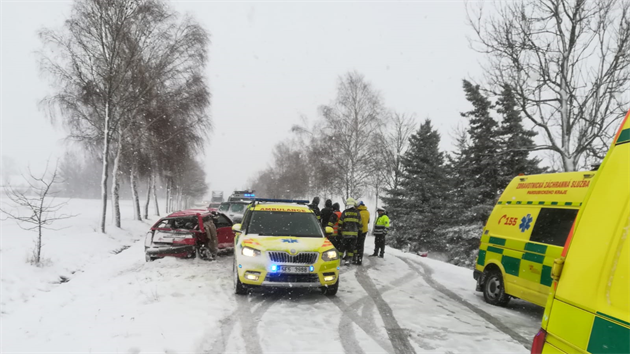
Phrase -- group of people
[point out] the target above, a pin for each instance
(350, 227)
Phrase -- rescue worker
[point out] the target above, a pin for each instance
(326, 213)
(380, 231)
(213, 242)
(365, 220)
(314, 206)
(333, 222)
(349, 227)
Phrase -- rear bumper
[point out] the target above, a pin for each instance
(159, 251)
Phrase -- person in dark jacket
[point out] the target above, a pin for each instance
(349, 227)
(314, 206)
(326, 213)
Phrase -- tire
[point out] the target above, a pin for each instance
(148, 258)
(494, 289)
(239, 288)
(331, 290)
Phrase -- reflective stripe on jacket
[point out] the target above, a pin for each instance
(334, 221)
(382, 224)
(350, 222)
(365, 217)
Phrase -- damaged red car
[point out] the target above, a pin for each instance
(181, 234)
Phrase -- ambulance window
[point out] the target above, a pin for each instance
(553, 226)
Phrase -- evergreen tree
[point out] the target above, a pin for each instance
(417, 206)
(477, 164)
(516, 142)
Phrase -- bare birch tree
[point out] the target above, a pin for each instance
(568, 63)
(352, 125)
(109, 62)
(35, 208)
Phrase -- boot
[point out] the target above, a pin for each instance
(373, 255)
(360, 260)
(381, 255)
(347, 262)
(355, 259)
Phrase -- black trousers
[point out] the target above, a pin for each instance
(348, 245)
(379, 245)
(361, 244)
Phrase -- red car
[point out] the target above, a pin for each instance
(181, 234)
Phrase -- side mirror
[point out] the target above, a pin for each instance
(329, 230)
(236, 228)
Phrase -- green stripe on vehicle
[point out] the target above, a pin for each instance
(554, 203)
(624, 136)
(612, 318)
(511, 265)
(495, 250)
(536, 258)
(608, 337)
(541, 203)
(545, 276)
(536, 248)
(481, 259)
(530, 203)
(497, 241)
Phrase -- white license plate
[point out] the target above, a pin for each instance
(292, 269)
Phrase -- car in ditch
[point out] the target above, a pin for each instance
(181, 234)
(281, 244)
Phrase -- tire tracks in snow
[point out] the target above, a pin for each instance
(397, 335)
(249, 324)
(367, 324)
(427, 275)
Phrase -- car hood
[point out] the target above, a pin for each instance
(286, 243)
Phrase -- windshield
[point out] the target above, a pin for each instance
(224, 207)
(281, 223)
(238, 208)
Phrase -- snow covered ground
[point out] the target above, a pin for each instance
(119, 303)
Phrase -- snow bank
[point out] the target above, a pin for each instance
(76, 243)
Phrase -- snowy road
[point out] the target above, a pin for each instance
(399, 304)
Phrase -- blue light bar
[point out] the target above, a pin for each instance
(267, 200)
(274, 268)
(249, 195)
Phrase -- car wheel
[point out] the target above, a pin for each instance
(494, 289)
(331, 290)
(239, 288)
(148, 258)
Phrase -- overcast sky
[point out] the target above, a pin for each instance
(270, 63)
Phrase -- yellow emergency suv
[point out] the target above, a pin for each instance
(588, 310)
(280, 243)
(525, 233)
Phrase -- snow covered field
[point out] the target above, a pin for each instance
(118, 303)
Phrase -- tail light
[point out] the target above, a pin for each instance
(539, 341)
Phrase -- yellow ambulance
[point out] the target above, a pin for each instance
(525, 233)
(588, 310)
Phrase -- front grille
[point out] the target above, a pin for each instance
(300, 258)
(291, 278)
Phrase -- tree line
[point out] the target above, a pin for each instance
(557, 78)
(128, 86)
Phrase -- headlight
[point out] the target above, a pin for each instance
(250, 252)
(330, 255)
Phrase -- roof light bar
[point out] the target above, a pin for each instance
(268, 200)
